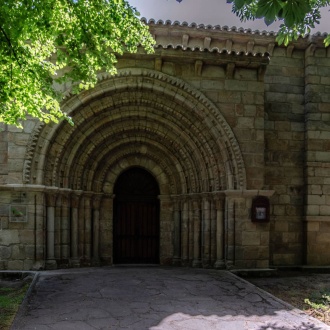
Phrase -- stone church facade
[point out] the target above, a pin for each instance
(167, 159)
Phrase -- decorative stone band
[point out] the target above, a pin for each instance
(228, 193)
(249, 193)
(321, 218)
(213, 194)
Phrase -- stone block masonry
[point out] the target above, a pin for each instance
(215, 128)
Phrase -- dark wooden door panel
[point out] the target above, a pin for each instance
(136, 218)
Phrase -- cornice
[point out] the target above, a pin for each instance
(208, 27)
(221, 39)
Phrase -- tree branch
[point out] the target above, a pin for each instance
(10, 45)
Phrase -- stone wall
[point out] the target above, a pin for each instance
(297, 154)
(215, 128)
(317, 157)
(284, 155)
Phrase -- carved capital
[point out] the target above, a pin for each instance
(51, 199)
(75, 199)
(96, 201)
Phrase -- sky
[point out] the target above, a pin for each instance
(214, 12)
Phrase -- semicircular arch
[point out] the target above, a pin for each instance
(204, 133)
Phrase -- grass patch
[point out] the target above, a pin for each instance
(318, 305)
(10, 300)
(307, 291)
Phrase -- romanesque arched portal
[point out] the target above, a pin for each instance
(147, 119)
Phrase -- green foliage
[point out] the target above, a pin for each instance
(320, 301)
(45, 43)
(10, 300)
(298, 16)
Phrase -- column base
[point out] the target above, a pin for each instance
(220, 264)
(75, 263)
(229, 265)
(51, 264)
(39, 265)
(176, 261)
(197, 263)
(206, 264)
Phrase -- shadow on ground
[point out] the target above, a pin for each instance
(155, 298)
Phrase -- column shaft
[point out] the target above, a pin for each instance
(206, 232)
(65, 229)
(177, 234)
(87, 229)
(197, 234)
(184, 233)
(220, 236)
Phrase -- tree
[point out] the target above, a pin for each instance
(49, 42)
(298, 16)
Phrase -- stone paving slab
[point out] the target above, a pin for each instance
(154, 298)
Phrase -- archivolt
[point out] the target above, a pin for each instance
(147, 117)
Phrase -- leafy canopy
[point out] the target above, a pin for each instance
(298, 16)
(44, 43)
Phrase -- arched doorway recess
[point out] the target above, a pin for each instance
(136, 218)
(138, 119)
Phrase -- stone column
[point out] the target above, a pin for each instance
(96, 229)
(166, 230)
(229, 226)
(197, 233)
(81, 228)
(106, 230)
(177, 234)
(190, 231)
(206, 231)
(184, 232)
(65, 229)
(57, 234)
(213, 234)
(75, 198)
(50, 225)
(40, 227)
(88, 228)
(220, 234)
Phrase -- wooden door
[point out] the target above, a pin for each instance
(136, 218)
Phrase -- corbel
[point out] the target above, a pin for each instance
(185, 40)
(198, 67)
(328, 51)
(289, 50)
(261, 72)
(230, 69)
(207, 42)
(249, 47)
(270, 48)
(158, 64)
(310, 50)
(229, 45)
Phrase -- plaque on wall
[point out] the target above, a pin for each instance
(18, 213)
(260, 209)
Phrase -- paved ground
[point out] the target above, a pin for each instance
(154, 298)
